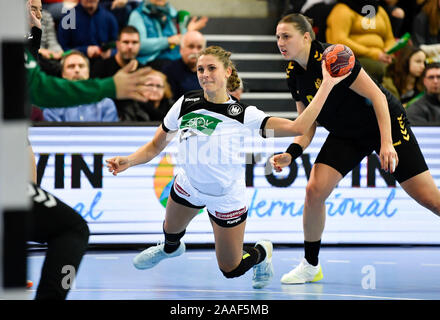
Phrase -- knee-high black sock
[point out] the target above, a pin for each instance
(172, 241)
(311, 250)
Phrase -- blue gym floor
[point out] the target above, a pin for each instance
(350, 273)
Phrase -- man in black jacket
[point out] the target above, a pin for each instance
(427, 108)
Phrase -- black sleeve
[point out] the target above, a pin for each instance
(291, 83)
(354, 73)
(263, 127)
(35, 41)
(165, 128)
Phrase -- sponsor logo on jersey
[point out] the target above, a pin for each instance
(318, 82)
(201, 122)
(192, 99)
(318, 56)
(235, 109)
(403, 130)
(288, 69)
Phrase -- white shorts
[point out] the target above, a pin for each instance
(227, 210)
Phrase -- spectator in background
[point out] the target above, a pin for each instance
(182, 73)
(160, 36)
(318, 11)
(36, 114)
(57, 8)
(426, 30)
(50, 51)
(396, 15)
(404, 76)
(50, 47)
(92, 31)
(426, 27)
(159, 96)
(75, 66)
(368, 38)
(35, 12)
(427, 108)
(411, 9)
(121, 9)
(127, 49)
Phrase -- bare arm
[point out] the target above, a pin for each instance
(364, 86)
(144, 154)
(285, 128)
(282, 160)
(304, 140)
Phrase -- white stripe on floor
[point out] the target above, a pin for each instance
(384, 262)
(338, 261)
(430, 264)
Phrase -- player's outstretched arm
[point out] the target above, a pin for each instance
(280, 127)
(144, 154)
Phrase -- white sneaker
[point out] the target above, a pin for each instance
(303, 273)
(153, 255)
(263, 272)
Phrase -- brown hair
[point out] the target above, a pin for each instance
(399, 69)
(167, 93)
(225, 58)
(302, 23)
(431, 9)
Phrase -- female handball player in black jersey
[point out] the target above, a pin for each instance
(361, 117)
(199, 118)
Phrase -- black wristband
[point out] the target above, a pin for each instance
(295, 150)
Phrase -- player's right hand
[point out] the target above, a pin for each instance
(279, 161)
(117, 164)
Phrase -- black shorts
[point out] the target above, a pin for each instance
(344, 154)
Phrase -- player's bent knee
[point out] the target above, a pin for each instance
(249, 259)
(231, 274)
(237, 272)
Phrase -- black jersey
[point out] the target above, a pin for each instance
(345, 113)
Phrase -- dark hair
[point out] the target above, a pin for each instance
(433, 65)
(399, 69)
(302, 23)
(127, 29)
(224, 56)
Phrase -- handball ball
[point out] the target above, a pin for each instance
(339, 60)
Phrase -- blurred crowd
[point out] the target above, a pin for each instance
(397, 43)
(82, 39)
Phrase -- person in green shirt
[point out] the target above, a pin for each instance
(52, 92)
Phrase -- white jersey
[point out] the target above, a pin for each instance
(211, 137)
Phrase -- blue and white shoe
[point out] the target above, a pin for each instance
(152, 256)
(263, 272)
